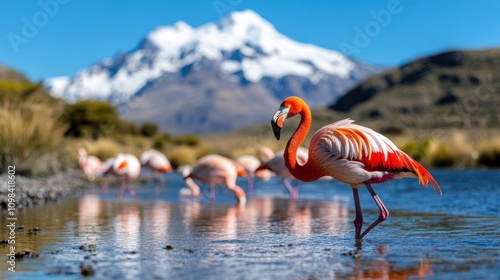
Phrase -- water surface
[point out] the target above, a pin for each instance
(427, 236)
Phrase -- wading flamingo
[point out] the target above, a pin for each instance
(250, 164)
(266, 154)
(126, 166)
(184, 170)
(157, 162)
(350, 153)
(105, 169)
(214, 170)
(277, 165)
(90, 165)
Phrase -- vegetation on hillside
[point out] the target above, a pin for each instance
(441, 110)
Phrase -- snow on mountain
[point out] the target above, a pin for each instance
(242, 44)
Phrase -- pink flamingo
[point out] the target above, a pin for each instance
(184, 169)
(90, 165)
(266, 154)
(350, 153)
(277, 165)
(250, 164)
(214, 170)
(157, 162)
(126, 166)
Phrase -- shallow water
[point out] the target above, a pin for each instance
(427, 236)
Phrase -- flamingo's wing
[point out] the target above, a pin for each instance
(346, 140)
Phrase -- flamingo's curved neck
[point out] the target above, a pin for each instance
(304, 172)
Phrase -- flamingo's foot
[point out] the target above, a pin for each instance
(132, 191)
(186, 192)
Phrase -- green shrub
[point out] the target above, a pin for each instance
(443, 157)
(489, 157)
(95, 119)
(160, 142)
(417, 149)
(149, 129)
(188, 140)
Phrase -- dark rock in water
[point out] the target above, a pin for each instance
(169, 247)
(86, 270)
(26, 253)
(189, 250)
(354, 255)
(35, 230)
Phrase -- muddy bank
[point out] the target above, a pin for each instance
(33, 191)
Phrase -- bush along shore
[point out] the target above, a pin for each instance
(32, 191)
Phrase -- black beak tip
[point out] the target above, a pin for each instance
(276, 130)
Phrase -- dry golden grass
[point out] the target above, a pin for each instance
(31, 138)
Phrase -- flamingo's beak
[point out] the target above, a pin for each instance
(278, 120)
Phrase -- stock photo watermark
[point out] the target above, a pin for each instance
(364, 34)
(223, 7)
(31, 25)
(11, 217)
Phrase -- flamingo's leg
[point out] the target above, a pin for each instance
(212, 193)
(104, 187)
(250, 184)
(293, 195)
(358, 221)
(384, 213)
(122, 189)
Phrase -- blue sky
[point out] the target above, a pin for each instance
(69, 35)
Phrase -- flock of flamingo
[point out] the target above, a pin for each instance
(344, 151)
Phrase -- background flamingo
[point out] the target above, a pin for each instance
(157, 162)
(89, 164)
(214, 170)
(350, 153)
(105, 169)
(266, 154)
(184, 169)
(126, 166)
(250, 164)
(277, 165)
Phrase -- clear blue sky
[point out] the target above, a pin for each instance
(76, 33)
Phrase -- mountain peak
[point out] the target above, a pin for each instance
(165, 36)
(242, 50)
(246, 18)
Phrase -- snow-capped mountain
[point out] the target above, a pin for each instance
(241, 51)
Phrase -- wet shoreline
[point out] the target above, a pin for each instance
(34, 191)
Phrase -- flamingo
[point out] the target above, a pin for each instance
(89, 164)
(213, 170)
(250, 164)
(106, 168)
(350, 153)
(184, 169)
(266, 154)
(126, 166)
(277, 165)
(157, 162)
